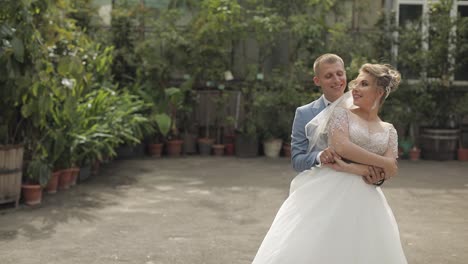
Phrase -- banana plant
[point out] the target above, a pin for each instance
(175, 99)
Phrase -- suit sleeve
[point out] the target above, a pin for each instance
(301, 160)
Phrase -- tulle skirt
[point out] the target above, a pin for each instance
(332, 218)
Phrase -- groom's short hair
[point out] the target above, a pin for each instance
(326, 58)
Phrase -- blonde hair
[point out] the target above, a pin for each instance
(329, 58)
(386, 77)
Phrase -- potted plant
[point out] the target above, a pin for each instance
(159, 118)
(414, 153)
(439, 134)
(267, 24)
(36, 176)
(246, 143)
(186, 116)
(275, 107)
(214, 29)
(229, 136)
(269, 112)
(163, 125)
(220, 120)
(462, 152)
(162, 56)
(53, 143)
(19, 55)
(462, 111)
(206, 142)
(106, 119)
(175, 100)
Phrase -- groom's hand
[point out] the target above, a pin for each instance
(328, 156)
(375, 175)
(338, 165)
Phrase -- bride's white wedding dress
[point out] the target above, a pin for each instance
(334, 217)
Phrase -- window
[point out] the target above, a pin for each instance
(462, 71)
(409, 13)
(409, 16)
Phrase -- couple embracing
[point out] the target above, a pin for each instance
(336, 212)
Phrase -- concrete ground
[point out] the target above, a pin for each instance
(215, 210)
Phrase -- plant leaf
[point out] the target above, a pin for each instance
(18, 49)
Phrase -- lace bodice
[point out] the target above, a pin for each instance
(374, 137)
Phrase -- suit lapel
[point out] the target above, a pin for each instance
(318, 105)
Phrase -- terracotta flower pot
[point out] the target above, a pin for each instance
(52, 185)
(174, 148)
(414, 154)
(401, 152)
(155, 150)
(229, 149)
(32, 194)
(74, 175)
(65, 179)
(218, 149)
(463, 154)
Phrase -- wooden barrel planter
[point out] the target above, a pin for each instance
(439, 144)
(246, 146)
(204, 146)
(190, 144)
(11, 163)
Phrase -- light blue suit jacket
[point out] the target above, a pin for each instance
(301, 159)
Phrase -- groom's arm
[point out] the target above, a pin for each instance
(370, 174)
(301, 159)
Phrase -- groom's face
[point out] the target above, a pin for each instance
(331, 78)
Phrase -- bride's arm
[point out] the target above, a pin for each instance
(369, 173)
(353, 168)
(392, 149)
(338, 135)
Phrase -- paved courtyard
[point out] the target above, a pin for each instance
(196, 210)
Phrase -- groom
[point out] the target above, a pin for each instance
(330, 75)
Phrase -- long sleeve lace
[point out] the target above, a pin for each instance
(338, 128)
(339, 139)
(393, 142)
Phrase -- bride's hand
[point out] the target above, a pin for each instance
(328, 155)
(338, 165)
(391, 167)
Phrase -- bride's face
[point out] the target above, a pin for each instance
(365, 92)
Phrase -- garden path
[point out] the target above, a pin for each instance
(195, 210)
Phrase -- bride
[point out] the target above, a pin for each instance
(334, 217)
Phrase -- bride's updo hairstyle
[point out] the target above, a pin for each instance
(387, 78)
